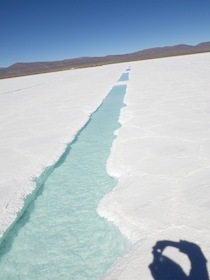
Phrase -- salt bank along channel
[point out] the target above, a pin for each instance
(60, 235)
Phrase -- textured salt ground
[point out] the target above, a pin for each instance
(162, 162)
(161, 159)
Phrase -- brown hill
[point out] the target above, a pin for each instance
(21, 69)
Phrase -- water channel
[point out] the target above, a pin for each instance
(60, 235)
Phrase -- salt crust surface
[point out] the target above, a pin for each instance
(39, 116)
(161, 157)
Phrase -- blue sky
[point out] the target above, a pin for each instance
(45, 30)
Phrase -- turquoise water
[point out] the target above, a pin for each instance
(61, 236)
(124, 77)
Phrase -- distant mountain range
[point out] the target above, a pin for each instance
(29, 68)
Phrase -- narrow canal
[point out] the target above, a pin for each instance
(61, 236)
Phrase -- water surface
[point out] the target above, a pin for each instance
(124, 77)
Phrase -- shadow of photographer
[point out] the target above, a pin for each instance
(163, 268)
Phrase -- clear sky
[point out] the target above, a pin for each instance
(44, 30)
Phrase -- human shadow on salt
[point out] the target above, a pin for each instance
(164, 268)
